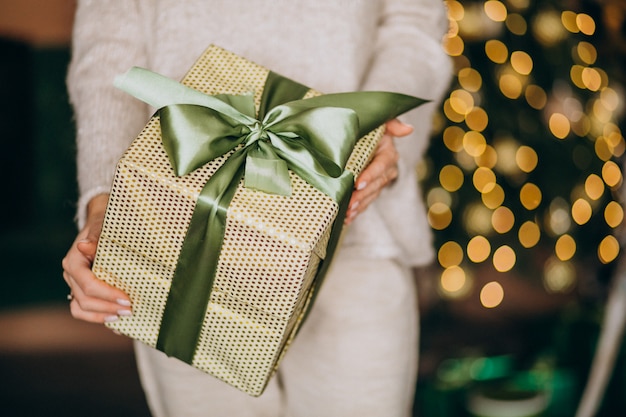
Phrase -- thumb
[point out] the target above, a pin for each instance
(89, 244)
(398, 129)
(87, 247)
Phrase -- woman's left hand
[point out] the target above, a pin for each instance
(382, 170)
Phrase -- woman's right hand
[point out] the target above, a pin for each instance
(91, 299)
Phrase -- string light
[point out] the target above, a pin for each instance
(537, 176)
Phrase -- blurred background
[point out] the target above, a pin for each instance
(522, 183)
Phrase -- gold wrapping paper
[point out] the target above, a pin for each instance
(270, 254)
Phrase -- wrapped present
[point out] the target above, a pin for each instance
(226, 209)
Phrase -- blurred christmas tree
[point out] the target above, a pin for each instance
(522, 177)
(522, 182)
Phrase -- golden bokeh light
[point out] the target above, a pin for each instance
(504, 258)
(521, 62)
(565, 247)
(484, 179)
(568, 18)
(461, 101)
(613, 214)
(451, 178)
(487, 159)
(516, 24)
(510, 86)
(453, 28)
(602, 149)
(494, 198)
(453, 138)
(579, 108)
(530, 196)
(611, 174)
(502, 219)
(496, 51)
(456, 11)
(529, 234)
(558, 276)
(474, 143)
(608, 249)
(470, 79)
(526, 158)
(477, 119)
(591, 78)
(559, 125)
(536, 96)
(586, 52)
(495, 10)
(585, 23)
(581, 211)
(491, 295)
(453, 45)
(614, 140)
(439, 216)
(450, 254)
(478, 249)
(594, 186)
(576, 75)
(451, 114)
(453, 279)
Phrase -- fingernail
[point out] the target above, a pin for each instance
(123, 302)
(361, 185)
(111, 319)
(124, 313)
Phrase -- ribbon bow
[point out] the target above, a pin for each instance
(312, 137)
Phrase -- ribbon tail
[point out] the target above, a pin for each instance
(193, 278)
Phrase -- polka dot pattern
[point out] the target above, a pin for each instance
(271, 251)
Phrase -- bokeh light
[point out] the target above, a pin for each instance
(530, 141)
(450, 254)
(491, 295)
(504, 258)
(478, 249)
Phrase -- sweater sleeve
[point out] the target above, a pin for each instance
(108, 38)
(409, 58)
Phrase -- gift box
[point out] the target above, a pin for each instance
(232, 307)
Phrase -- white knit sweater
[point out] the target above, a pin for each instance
(329, 45)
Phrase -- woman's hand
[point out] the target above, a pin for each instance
(91, 299)
(382, 170)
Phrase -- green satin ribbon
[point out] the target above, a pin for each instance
(313, 137)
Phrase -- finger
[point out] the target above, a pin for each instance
(397, 128)
(92, 317)
(95, 309)
(385, 158)
(88, 248)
